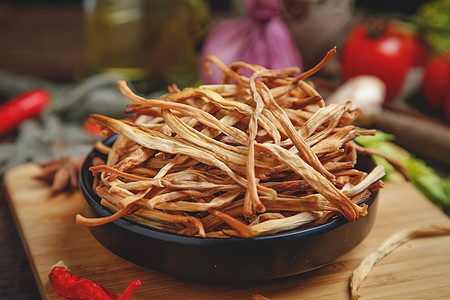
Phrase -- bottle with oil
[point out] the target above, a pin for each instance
(153, 42)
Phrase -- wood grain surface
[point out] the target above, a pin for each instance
(420, 269)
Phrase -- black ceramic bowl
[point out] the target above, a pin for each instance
(227, 259)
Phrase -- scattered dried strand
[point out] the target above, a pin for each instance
(389, 245)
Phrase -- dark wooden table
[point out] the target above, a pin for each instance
(16, 277)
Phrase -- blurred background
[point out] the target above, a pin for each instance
(48, 38)
(55, 39)
(78, 49)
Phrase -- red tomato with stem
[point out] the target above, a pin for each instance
(381, 49)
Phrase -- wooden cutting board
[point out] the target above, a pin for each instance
(420, 269)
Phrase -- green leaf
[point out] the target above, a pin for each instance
(423, 177)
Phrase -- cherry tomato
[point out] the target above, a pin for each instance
(447, 105)
(421, 50)
(436, 82)
(381, 49)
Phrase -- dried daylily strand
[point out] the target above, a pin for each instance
(316, 180)
(389, 245)
(251, 200)
(259, 297)
(166, 144)
(392, 161)
(277, 225)
(243, 229)
(104, 168)
(192, 111)
(316, 68)
(305, 152)
(100, 221)
(102, 147)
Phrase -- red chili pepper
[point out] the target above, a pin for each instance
(22, 107)
(91, 127)
(78, 288)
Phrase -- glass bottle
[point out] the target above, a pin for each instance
(151, 41)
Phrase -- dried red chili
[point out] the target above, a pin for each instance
(78, 288)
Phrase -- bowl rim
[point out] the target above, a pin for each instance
(93, 201)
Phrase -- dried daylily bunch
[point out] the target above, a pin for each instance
(252, 156)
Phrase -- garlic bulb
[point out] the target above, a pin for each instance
(365, 92)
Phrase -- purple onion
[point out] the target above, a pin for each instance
(261, 38)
